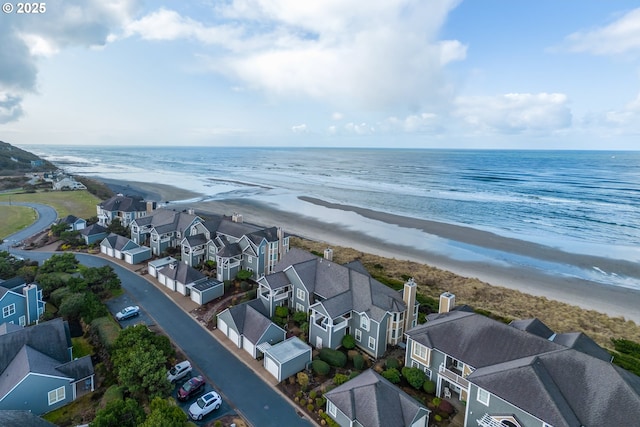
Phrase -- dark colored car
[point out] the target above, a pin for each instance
(191, 387)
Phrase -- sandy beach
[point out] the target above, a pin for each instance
(612, 300)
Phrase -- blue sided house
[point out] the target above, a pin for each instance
(21, 303)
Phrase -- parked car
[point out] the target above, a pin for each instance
(191, 387)
(205, 404)
(179, 371)
(128, 312)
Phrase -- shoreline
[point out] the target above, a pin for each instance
(615, 301)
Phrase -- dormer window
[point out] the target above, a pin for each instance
(364, 322)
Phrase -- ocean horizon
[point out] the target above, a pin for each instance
(579, 202)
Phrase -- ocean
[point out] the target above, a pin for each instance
(581, 202)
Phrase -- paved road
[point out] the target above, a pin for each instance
(46, 216)
(238, 385)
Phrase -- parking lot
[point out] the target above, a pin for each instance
(125, 300)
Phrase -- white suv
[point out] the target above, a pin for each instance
(179, 371)
(205, 404)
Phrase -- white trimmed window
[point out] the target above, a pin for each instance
(372, 343)
(358, 335)
(299, 307)
(483, 397)
(364, 322)
(56, 395)
(331, 408)
(419, 351)
(22, 320)
(8, 310)
(300, 294)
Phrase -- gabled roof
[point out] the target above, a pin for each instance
(181, 272)
(268, 234)
(13, 284)
(479, 341)
(196, 240)
(93, 229)
(10, 418)
(250, 319)
(275, 280)
(294, 256)
(118, 242)
(50, 338)
(533, 326)
(236, 229)
(373, 401)
(565, 388)
(581, 342)
(230, 250)
(122, 203)
(165, 220)
(351, 289)
(69, 219)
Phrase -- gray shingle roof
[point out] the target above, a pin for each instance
(533, 326)
(93, 229)
(566, 388)
(275, 280)
(181, 272)
(581, 342)
(250, 319)
(123, 204)
(374, 402)
(22, 419)
(479, 341)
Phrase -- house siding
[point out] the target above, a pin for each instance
(18, 302)
(32, 394)
(497, 406)
(295, 365)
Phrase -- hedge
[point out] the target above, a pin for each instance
(358, 362)
(392, 363)
(414, 376)
(333, 357)
(320, 367)
(393, 375)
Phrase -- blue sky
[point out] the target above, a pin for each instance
(375, 73)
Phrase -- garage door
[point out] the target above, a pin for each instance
(233, 336)
(248, 346)
(272, 367)
(222, 325)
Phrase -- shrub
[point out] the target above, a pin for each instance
(438, 418)
(348, 342)
(415, 376)
(300, 317)
(436, 401)
(339, 379)
(393, 375)
(302, 402)
(353, 374)
(313, 394)
(392, 363)
(358, 362)
(244, 275)
(310, 407)
(351, 354)
(429, 387)
(303, 380)
(446, 407)
(320, 402)
(281, 311)
(333, 357)
(245, 286)
(320, 367)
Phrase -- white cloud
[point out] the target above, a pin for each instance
(619, 37)
(423, 122)
(336, 51)
(336, 116)
(515, 113)
(302, 128)
(65, 23)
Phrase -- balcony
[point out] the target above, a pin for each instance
(453, 377)
(487, 421)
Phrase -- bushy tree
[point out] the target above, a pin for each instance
(164, 414)
(300, 317)
(72, 306)
(348, 341)
(414, 376)
(119, 413)
(393, 375)
(60, 263)
(429, 387)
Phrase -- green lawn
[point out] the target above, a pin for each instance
(15, 218)
(80, 203)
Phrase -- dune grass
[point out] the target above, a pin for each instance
(497, 301)
(15, 218)
(80, 203)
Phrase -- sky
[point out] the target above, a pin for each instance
(543, 74)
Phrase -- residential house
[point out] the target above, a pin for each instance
(21, 303)
(68, 183)
(73, 222)
(163, 229)
(93, 233)
(522, 374)
(341, 300)
(124, 208)
(247, 326)
(38, 372)
(188, 281)
(234, 245)
(369, 400)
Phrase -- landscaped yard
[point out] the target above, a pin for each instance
(80, 203)
(15, 218)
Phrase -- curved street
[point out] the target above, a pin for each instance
(46, 216)
(239, 386)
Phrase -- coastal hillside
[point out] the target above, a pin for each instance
(15, 161)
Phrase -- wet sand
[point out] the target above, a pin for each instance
(613, 300)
